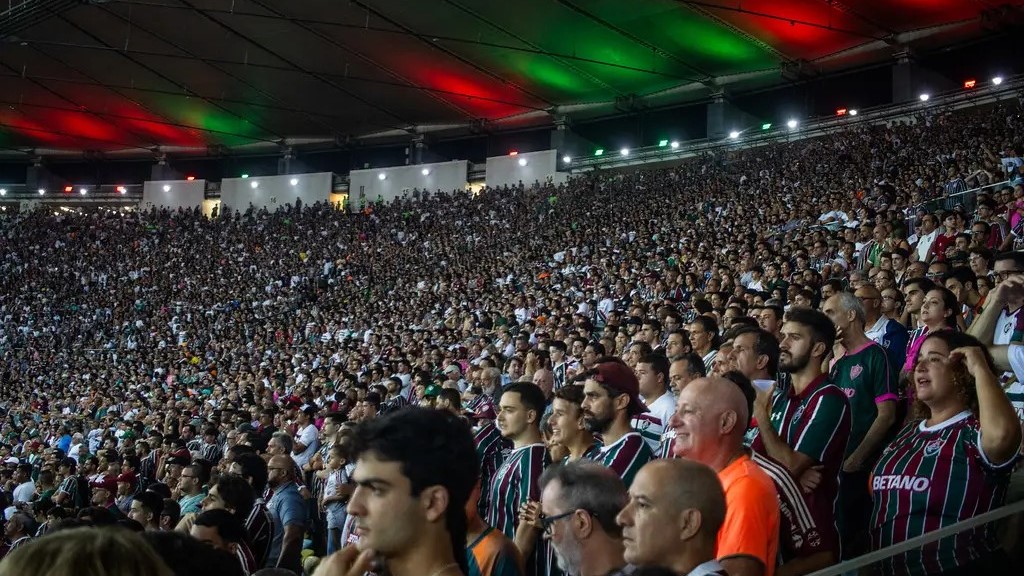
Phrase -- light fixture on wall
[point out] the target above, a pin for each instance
(523, 162)
(381, 176)
(294, 181)
(167, 187)
(425, 171)
(255, 184)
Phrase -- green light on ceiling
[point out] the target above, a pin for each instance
(245, 175)
(766, 126)
(599, 152)
(663, 143)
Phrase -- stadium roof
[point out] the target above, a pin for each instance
(130, 76)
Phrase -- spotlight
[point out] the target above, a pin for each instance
(674, 144)
(245, 175)
(190, 178)
(853, 112)
(425, 171)
(792, 124)
(122, 189)
(294, 181)
(567, 159)
(734, 134)
(167, 187)
(381, 176)
(42, 191)
(3, 192)
(997, 80)
(69, 189)
(968, 84)
(83, 191)
(624, 152)
(255, 184)
(513, 153)
(924, 97)
(522, 162)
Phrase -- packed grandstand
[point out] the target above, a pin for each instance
(148, 355)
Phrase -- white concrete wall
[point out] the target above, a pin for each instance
(173, 194)
(400, 181)
(273, 192)
(539, 167)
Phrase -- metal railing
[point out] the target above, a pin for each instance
(965, 199)
(872, 558)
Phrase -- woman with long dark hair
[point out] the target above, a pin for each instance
(950, 463)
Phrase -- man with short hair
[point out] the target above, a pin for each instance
(567, 426)
(516, 482)
(677, 344)
(415, 469)
(611, 398)
(709, 424)
(222, 530)
(145, 509)
(914, 290)
(672, 519)
(307, 437)
(18, 531)
(258, 524)
(807, 424)
(652, 372)
(579, 502)
(880, 328)
(190, 485)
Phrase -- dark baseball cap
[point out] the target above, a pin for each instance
(617, 375)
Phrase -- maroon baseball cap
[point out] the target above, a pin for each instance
(485, 411)
(615, 374)
(106, 482)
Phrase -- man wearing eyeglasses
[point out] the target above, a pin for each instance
(579, 502)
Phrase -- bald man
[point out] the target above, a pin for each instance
(672, 518)
(710, 420)
(288, 515)
(882, 329)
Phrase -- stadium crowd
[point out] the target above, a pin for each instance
(760, 361)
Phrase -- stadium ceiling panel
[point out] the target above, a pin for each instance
(188, 75)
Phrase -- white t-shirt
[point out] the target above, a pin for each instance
(307, 436)
(653, 423)
(1015, 391)
(25, 491)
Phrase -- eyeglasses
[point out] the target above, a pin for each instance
(548, 521)
(1005, 274)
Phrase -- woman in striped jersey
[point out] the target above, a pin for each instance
(951, 465)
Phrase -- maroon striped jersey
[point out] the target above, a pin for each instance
(930, 477)
(799, 536)
(815, 423)
(517, 481)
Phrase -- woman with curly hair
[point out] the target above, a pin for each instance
(952, 462)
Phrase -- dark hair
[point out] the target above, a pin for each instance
(949, 302)
(597, 347)
(694, 364)
(255, 468)
(1017, 257)
(152, 502)
(962, 381)
(821, 327)
(765, 343)
(644, 348)
(172, 510)
(654, 322)
(530, 395)
(434, 448)
(186, 556)
(924, 284)
(451, 395)
(961, 274)
(659, 363)
(571, 393)
(228, 525)
(236, 493)
(708, 324)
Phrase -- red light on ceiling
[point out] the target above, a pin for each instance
(840, 111)
(514, 153)
(122, 189)
(970, 83)
(190, 178)
(69, 189)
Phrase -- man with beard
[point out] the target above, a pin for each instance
(808, 424)
(580, 501)
(611, 397)
(517, 480)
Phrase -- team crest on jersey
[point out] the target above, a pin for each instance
(1007, 328)
(799, 412)
(856, 371)
(932, 448)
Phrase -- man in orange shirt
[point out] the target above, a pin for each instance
(709, 423)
